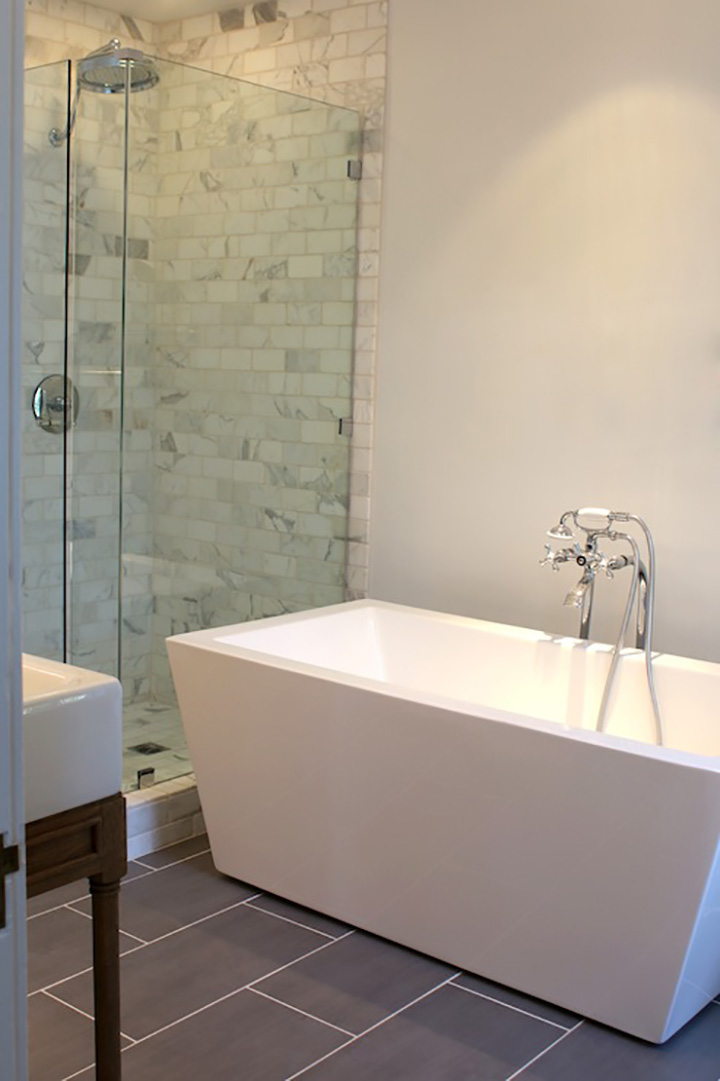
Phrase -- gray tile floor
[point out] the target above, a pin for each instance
(223, 983)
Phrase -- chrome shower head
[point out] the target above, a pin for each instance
(110, 70)
(113, 69)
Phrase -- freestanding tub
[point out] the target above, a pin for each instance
(436, 780)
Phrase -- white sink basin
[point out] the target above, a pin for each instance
(72, 736)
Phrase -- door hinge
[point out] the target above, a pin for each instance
(9, 865)
(354, 169)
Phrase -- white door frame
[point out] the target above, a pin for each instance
(13, 968)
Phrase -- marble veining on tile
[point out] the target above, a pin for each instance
(237, 334)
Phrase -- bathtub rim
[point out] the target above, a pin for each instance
(210, 639)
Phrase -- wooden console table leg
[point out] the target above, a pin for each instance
(89, 842)
(106, 960)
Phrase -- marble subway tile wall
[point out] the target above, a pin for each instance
(94, 363)
(43, 326)
(332, 51)
(62, 29)
(136, 632)
(256, 225)
(71, 29)
(111, 311)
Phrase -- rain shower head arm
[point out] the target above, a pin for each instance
(111, 47)
(56, 136)
(111, 69)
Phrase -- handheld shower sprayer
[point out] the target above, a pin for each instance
(597, 522)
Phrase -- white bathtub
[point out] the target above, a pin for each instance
(436, 780)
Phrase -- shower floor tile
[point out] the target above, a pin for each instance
(223, 981)
(153, 722)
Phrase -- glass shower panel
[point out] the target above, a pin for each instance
(145, 721)
(256, 266)
(204, 314)
(253, 248)
(95, 364)
(139, 399)
(44, 343)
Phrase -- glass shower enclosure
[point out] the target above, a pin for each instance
(189, 289)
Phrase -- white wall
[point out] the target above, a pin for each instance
(549, 303)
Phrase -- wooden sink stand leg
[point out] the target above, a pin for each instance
(89, 842)
(106, 975)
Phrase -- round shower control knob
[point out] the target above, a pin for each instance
(55, 404)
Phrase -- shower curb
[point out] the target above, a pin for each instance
(163, 814)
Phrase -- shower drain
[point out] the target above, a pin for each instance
(148, 748)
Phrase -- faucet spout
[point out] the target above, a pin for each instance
(581, 596)
(576, 597)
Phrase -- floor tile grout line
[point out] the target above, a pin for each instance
(89, 968)
(291, 963)
(78, 911)
(186, 926)
(125, 881)
(323, 1058)
(202, 919)
(49, 986)
(142, 941)
(296, 1009)
(509, 1006)
(414, 1002)
(69, 1006)
(176, 931)
(296, 923)
(129, 934)
(56, 908)
(137, 878)
(536, 1058)
(77, 1073)
(187, 1016)
(165, 867)
(89, 916)
(236, 991)
(83, 1013)
(378, 1024)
